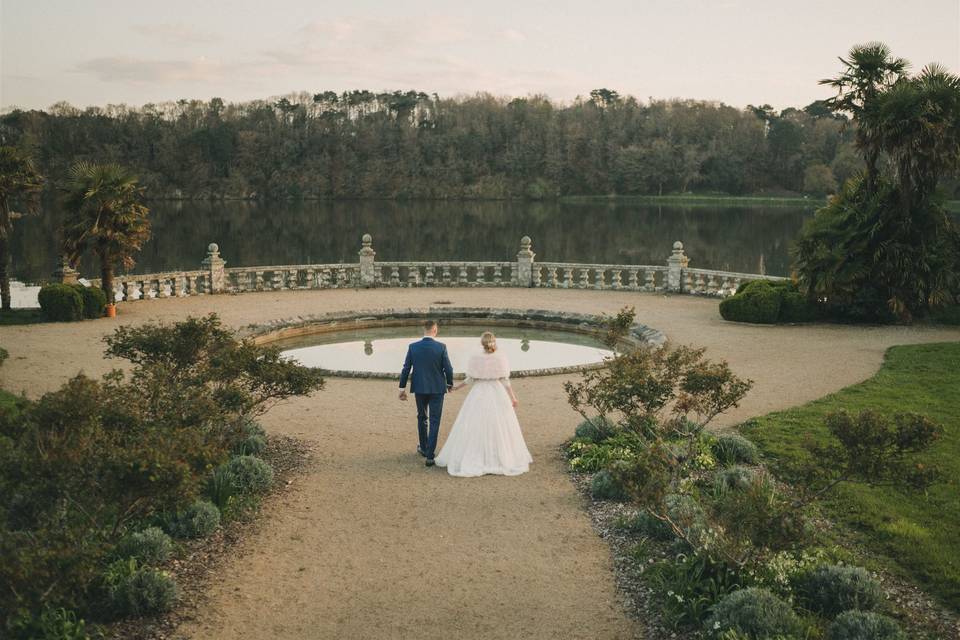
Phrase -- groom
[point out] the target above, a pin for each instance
(432, 377)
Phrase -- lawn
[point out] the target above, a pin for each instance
(915, 535)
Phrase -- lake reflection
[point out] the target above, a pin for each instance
(729, 238)
(382, 350)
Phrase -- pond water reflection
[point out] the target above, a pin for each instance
(715, 237)
(382, 350)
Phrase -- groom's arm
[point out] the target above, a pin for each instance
(405, 372)
(447, 368)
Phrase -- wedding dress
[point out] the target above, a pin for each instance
(485, 437)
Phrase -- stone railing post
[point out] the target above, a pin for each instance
(213, 265)
(525, 263)
(64, 273)
(676, 263)
(368, 274)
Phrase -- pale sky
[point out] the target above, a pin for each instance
(96, 52)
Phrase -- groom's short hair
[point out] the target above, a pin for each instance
(429, 325)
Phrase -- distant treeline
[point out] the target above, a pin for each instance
(412, 145)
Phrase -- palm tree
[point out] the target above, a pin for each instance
(869, 69)
(19, 183)
(105, 214)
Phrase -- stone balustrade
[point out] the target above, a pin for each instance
(675, 276)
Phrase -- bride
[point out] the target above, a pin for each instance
(486, 437)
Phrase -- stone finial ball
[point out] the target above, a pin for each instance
(367, 238)
(213, 247)
(525, 240)
(678, 245)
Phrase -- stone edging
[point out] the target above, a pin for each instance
(280, 329)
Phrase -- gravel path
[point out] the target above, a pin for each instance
(369, 544)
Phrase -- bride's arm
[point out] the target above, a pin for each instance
(466, 381)
(506, 385)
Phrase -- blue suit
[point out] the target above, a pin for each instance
(432, 377)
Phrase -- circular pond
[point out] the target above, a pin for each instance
(380, 351)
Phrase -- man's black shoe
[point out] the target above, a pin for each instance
(429, 462)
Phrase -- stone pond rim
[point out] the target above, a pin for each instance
(315, 324)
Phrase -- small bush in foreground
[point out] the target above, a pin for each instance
(647, 525)
(731, 448)
(864, 625)
(150, 547)
(596, 429)
(755, 612)
(253, 439)
(833, 589)
(138, 591)
(198, 521)
(605, 486)
(60, 303)
(734, 478)
(690, 586)
(250, 475)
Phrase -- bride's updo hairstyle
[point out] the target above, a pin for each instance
(489, 341)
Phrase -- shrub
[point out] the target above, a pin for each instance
(732, 478)
(832, 589)
(250, 474)
(754, 612)
(646, 524)
(51, 624)
(253, 438)
(220, 487)
(768, 302)
(605, 486)
(150, 546)
(690, 585)
(133, 590)
(590, 458)
(150, 591)
(94, 301)
(596, 429)
(731, 448)
(198, 521)
(864, 625)
(60, 303)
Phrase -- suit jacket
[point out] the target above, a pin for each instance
(432, 371)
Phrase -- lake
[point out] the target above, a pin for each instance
(733, 238)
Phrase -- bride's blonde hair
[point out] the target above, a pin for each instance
(489, 341)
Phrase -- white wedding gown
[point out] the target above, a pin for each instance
(486, 437)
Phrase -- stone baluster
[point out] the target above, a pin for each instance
(584, 278)
(615, 281)
(343, 278)
(698, 287)
(311, 278)
(413, 275)
(177, 290)
(213, 266)
(293, 280)
(688, 282)
(552, 277)
(162, 288)
(598, 277)
(713, 285)
(634, 284)
(727, 286)
(446, 275)
(367, 266)
(650, 280)
(568, 278)
(258, 280)
(191, 285)
(525, 263)
(498, 276)
(146, 289)
(394, 276)
(431, 275)
(677, 263)
(276, 280)
(537, 277)
(736, 284)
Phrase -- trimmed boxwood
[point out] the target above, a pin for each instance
(767, 302)
(94, 301)
(60, 303)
